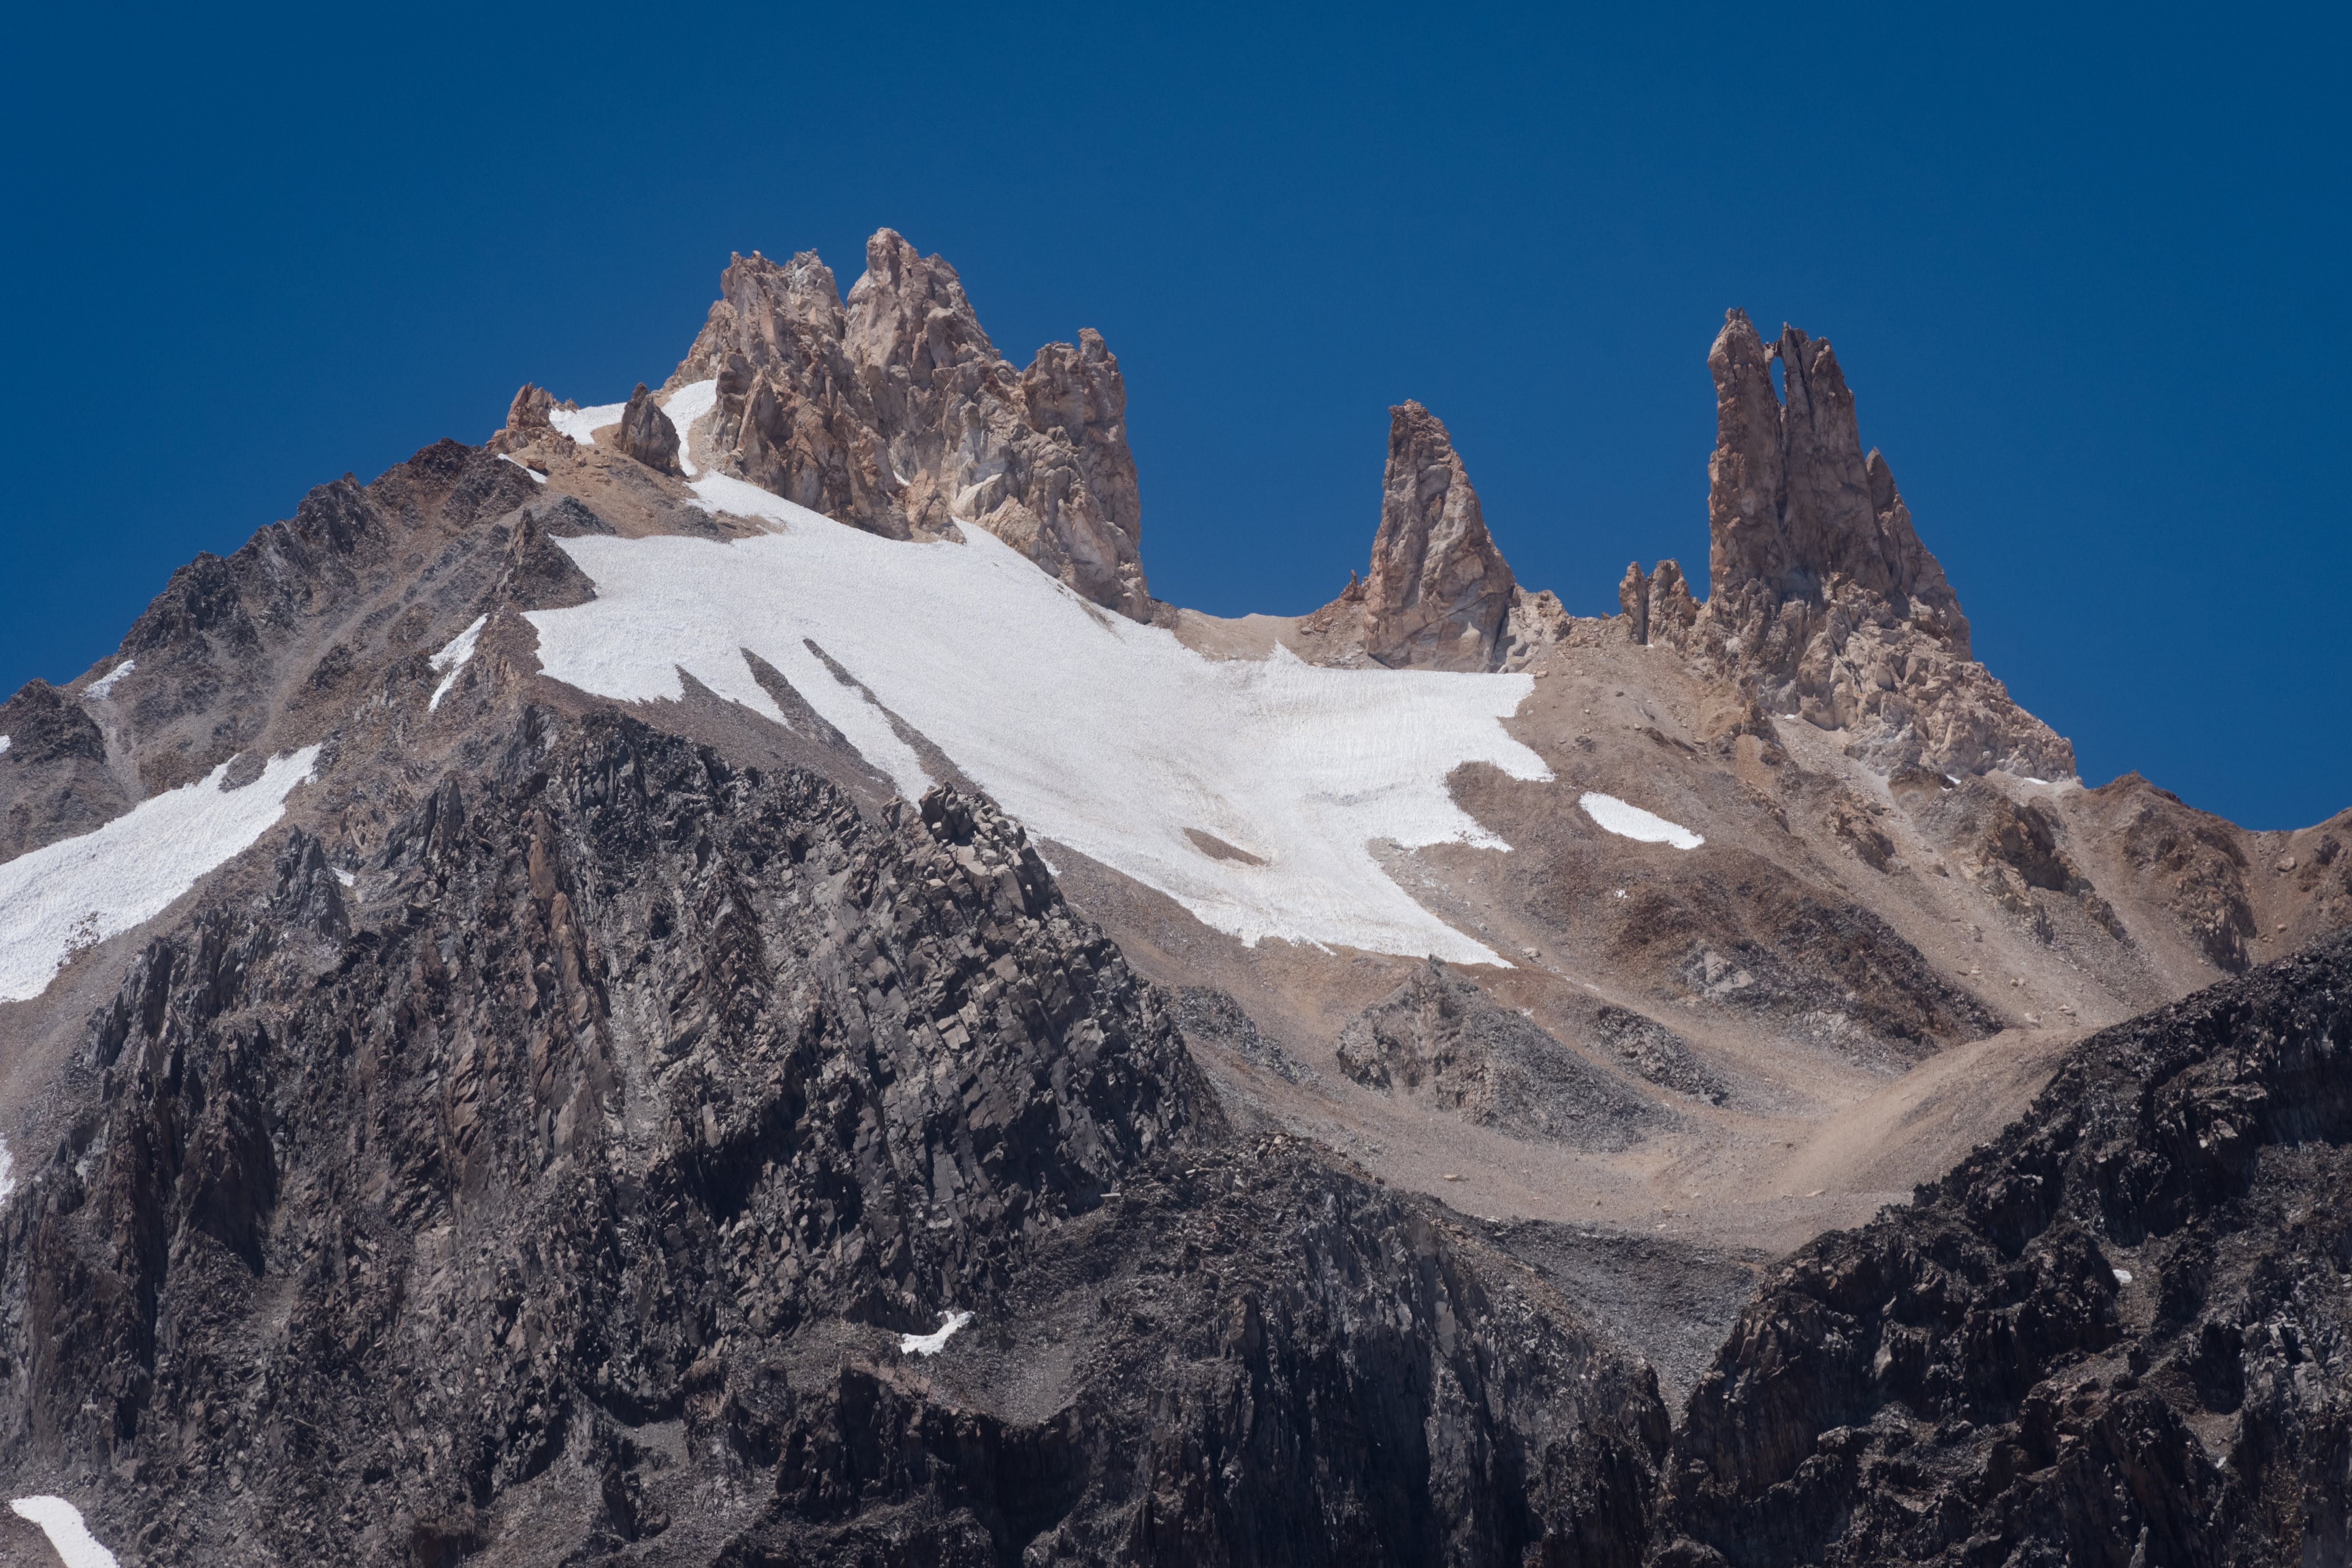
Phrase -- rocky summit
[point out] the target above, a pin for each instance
(713, 981)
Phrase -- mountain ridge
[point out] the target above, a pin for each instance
(770, 879)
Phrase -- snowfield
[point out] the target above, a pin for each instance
(578, 423)
(1110, 737)
(68, 895)
(62, 1522)
(937, 1340)
(104, 684)
(1632, 822)
(686, 404)
(451, 660)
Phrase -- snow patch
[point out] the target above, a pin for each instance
(1632, 822)
(7, 1174)
(105, 683)
(62, 1522)
(1110, 737)
(345, 877)
(578, 423)
(536, 476)
(78, 893)
(2123, 1276)
(4, 745)
(451, 659)
(937, 1340)
(686, 404)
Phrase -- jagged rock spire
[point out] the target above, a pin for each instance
(1439, 592)
(1794, 503)
(896, 413)
(1823, 603)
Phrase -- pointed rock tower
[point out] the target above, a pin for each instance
(1823, 598)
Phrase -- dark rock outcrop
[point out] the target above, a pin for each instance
(570, 1184)
(54, 780)
(2117, 1335)
(1442, 1038)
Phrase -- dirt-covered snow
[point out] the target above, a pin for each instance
(1110, 737)
(77, 891)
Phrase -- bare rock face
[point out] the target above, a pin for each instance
(2111, 1335)
(647, 433)
(54, 780)
(897, 415)
(1440, 1037)
(1822, 592)
(527, 422)
(1439, 595)
(1439, 592)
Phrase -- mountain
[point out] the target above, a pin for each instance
(714, 980)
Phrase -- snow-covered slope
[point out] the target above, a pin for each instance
(83, 890)
(1251, 791)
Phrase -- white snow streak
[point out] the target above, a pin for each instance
(686, 404)
(7, 1174)
(345, 877)
(452, 659)
(1113, 738)
(4, 745)
(105, 683)
(1632, 822)
(577, 422)
(62, 1522)
(536, 476)
(68, 895)
(936, 1340)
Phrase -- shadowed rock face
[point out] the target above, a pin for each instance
(571, 1181)
(2116, 1335)
(896, 413)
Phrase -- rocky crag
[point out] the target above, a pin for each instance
(1822, 600)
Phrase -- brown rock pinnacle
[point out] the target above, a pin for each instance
(895, 413)
(647, 433)
(1822, 595)
(1439, 594)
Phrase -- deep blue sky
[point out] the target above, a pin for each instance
(2087, 277)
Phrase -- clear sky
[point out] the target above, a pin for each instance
(2086, 273)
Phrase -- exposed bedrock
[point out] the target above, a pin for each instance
(1820, 595)
(1439, 595)
(569, 1181)
(896, 413)
(2116, 1335)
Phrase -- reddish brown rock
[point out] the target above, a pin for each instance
(1821, 590)
(647, 433)
(1439, 593)
(897, 415)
